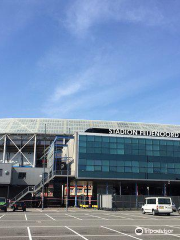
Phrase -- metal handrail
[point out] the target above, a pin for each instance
(37, 187)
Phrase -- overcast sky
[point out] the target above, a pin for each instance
(90, 59)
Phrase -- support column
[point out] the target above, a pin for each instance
(35, 146)
(120, 189)
(164, 191)
(76, 194)
(136, 193)
(107, 188)
(4, 151)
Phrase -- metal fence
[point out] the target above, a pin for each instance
(135, 202)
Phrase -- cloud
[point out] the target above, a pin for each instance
(82, 15)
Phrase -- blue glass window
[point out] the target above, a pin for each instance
(120, 169)
(105, 168)
(97, 139)
(135, 169)
(127, 169)
(113, 151)
(112, 139)
(127, 163)
(82, 161)
(97, 168)
(112, 163)
(112, 169)
(97, 162)
(82, 150)
(82, 137)
(90, 162)
(120, 139)
(127, 140)
(105, 162)
(120, 163)
(90, 138)
(120, 151)
(90, 168)
(105, 139)
(82, 144)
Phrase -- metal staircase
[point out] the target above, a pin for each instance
(55, 170)
(37, 188)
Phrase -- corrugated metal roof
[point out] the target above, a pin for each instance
(65, 126)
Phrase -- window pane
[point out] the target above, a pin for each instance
(105, 139)
(127, 163)
(112, 169)
(120, 163)
(82, 150)
(82, 161)
(112, 163)
(120, 151)
(105, 162)
(97, 162)
(112, 139)
(89, 168)
(135, 169)
(127, 169)
(90, 138)
(82, 144)
(97, 168)
(105, 168)
(90, 162)
(120, 169)
(82, 137)
(97, 139)
(112, 151)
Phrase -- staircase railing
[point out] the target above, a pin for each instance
(22, 194)
(36, 188)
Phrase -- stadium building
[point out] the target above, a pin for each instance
(105, 157)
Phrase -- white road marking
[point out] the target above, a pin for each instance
(39, 210)
(50, 217)
(95, 216)
(29, 233)
(25, 217)
(73, 216)
(2, 216)
(122, 233)
(76, 233)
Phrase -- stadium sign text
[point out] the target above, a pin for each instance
(144, 133)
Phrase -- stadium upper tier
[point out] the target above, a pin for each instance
(66, 126)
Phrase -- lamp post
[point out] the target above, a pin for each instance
(67, 188)
(43, 175)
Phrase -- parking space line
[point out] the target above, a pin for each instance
(2, 216)
(122, 233)
(96, 216)
(50, 217)
(25, 217)
(76, 233)
(73, 216)
(29, 233)
(39, 210)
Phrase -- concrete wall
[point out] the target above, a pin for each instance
(33, 176)
(6, 173)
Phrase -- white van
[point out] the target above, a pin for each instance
(157, 205)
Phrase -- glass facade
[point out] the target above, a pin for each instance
(126, 157)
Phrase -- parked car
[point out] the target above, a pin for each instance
(179, 210)
(157, 205)
(3, 204)
(19, 206)
(174, 207)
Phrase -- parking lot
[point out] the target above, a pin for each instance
(86, 224)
